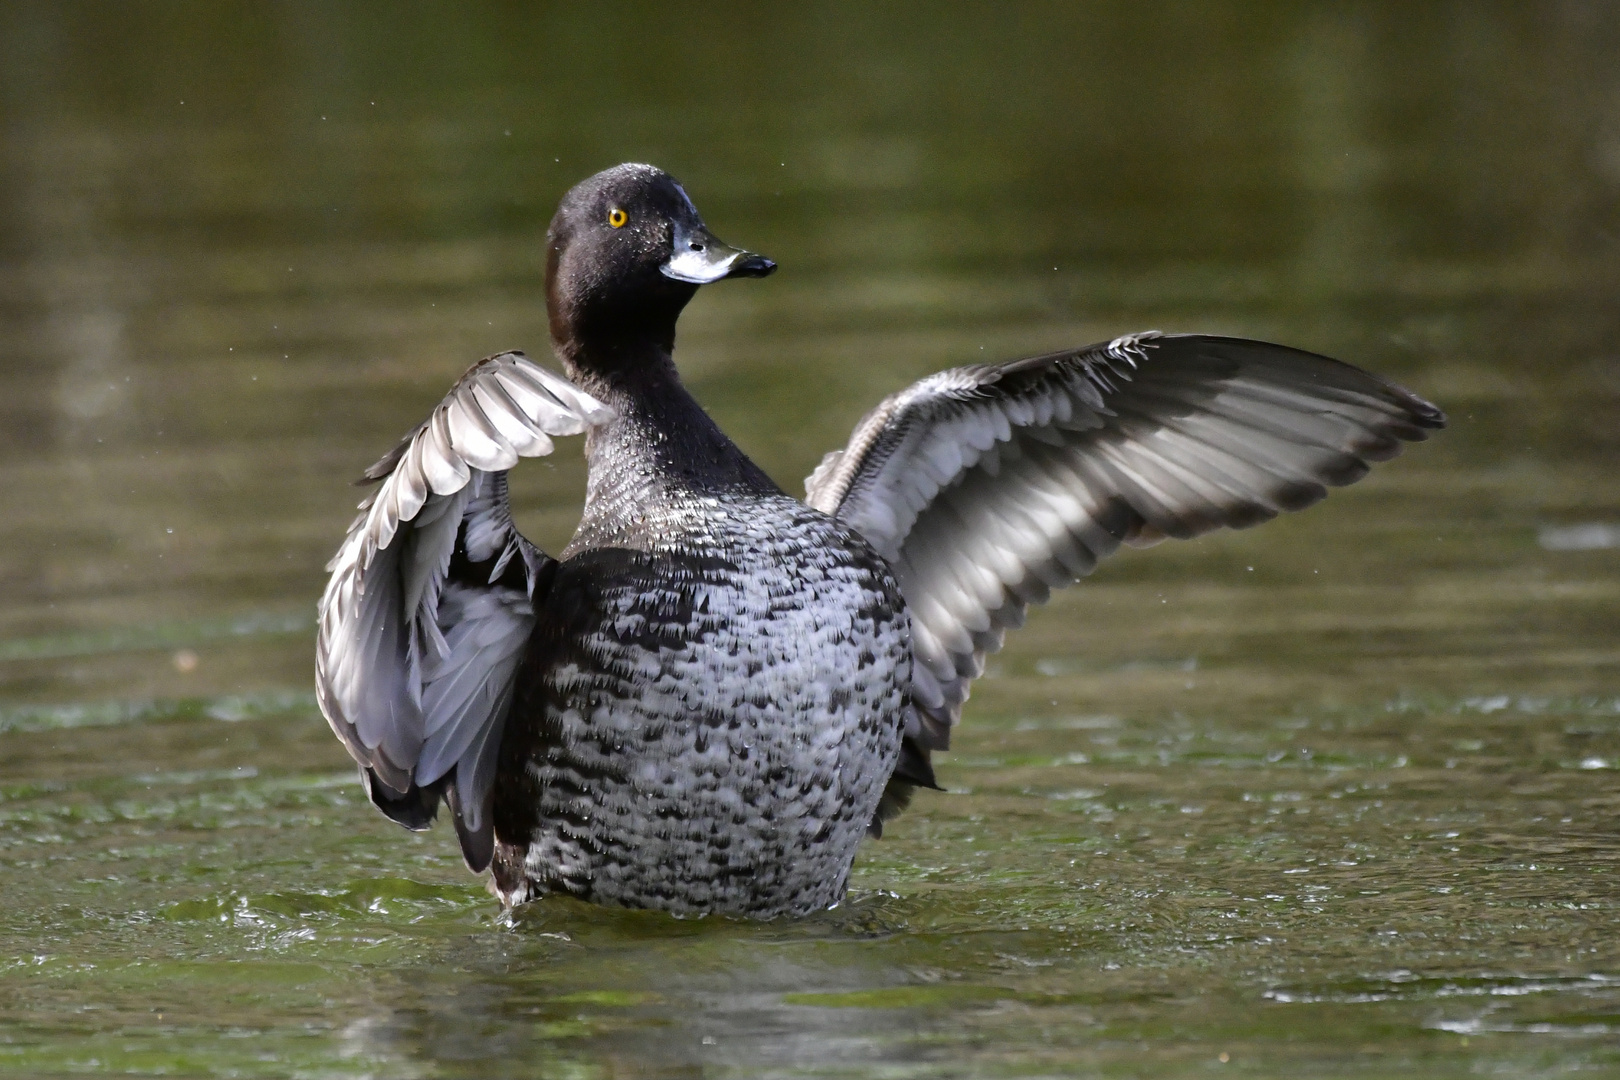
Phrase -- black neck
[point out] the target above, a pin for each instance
(660, 448)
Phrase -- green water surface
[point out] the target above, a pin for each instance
(1339, 796)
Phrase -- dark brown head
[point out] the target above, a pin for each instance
(627, 251)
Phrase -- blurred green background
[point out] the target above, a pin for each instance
(1334, 797)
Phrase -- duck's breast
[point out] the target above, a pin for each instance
(707, 722)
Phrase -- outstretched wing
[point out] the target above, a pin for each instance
(430, 602)
(986, 487)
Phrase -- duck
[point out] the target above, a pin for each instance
(717, 691)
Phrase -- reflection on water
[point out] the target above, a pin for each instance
(1338, 795)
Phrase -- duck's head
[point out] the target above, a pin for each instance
(627, 251)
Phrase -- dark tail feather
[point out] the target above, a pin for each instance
(415, 809)
(477, 846)
(912, 771)
(418, 807)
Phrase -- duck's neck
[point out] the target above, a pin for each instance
(660, 448)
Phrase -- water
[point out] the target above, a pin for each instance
(1334, 797)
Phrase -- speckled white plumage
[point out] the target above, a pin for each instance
(716, 716)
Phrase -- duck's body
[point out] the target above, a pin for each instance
(718, 690)
(713, 697)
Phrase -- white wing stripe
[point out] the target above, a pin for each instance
(446, 473)
(510, 420)
(475, 439)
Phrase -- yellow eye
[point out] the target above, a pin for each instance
(617, 217)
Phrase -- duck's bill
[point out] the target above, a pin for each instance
(701, 258)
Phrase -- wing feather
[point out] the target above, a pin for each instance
(987, 487)
(430, 603)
